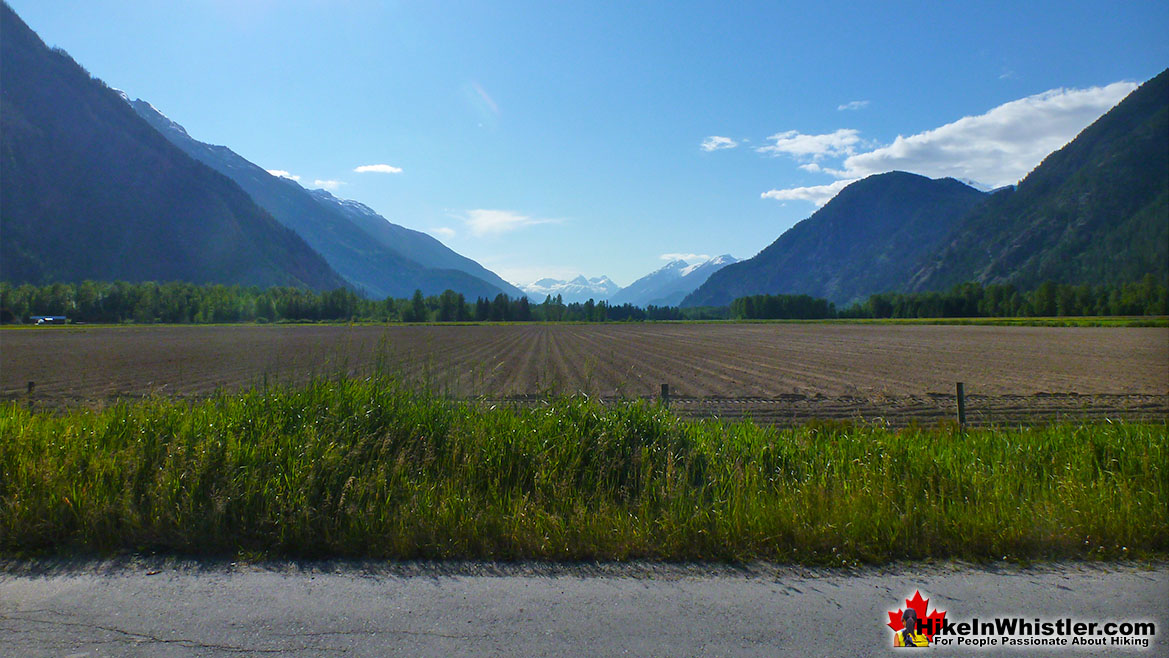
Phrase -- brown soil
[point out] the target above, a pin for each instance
(779, 373)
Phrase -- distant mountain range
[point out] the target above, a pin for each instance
(662, 287)
(91, 191)
(1094, 212)
(580, 289)
(670, 284)
(95, 186)
(375, 256)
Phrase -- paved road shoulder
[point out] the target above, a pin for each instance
(167, 607)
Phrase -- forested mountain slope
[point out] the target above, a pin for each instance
(1094, 212)
(865, 240)
(91, 191)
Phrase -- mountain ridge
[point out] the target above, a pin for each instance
(91, 191)
(1094, 211)
(372, 254)
(669, 284)
(866, 240)
(421, 247)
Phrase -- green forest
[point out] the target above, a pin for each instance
(186, 303)
(972, 300)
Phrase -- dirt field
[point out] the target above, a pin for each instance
(779, 373)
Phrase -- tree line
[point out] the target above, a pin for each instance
(782, 307)
(972, 300)
(188, 303)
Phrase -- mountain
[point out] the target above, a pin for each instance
(640, 291)
(670, 284)
(416, 245)
(867, 239)
(580, 289)
(91, 191)
(379, 258)
(1096, 211)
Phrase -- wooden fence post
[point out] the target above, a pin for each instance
(961, 405)
(666, 394)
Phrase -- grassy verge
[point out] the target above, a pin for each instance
(366, 468)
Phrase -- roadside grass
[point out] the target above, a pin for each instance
(368, 468)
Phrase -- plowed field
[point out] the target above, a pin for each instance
(778, 373)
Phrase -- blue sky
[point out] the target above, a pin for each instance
(549, 138)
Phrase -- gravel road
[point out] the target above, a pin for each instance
(166, 607)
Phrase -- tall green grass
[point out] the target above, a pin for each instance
(367, 468)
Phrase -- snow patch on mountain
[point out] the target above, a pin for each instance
(579, 289)
(143, 107)
(668, 285)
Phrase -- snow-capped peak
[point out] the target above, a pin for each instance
(677, 264)
(578, 289)
(981, 187)
(324, 195)
(160, 120)
(716, 262)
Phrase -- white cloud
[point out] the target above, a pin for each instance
(493, 222)
(989, 150)
(443, 231)
(817, 194)
(801, 146)
(280, 173)
(716, 143)
(689, 258)
(996, 148)
(378, 169)
(852, 105)
(331, 185)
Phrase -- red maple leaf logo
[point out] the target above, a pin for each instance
(930, 623)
